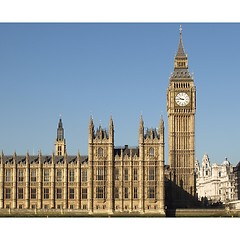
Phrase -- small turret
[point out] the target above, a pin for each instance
(161, 127)
(60, 131)
(90, 129)
(78, 154)
(60, 144)
(15, 157)
(141, 130)
(111, 130)
(111, 127)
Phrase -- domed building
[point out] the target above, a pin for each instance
(215, 182)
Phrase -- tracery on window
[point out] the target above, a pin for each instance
(100, 152)
(151, 152)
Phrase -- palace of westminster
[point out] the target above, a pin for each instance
(115, 179)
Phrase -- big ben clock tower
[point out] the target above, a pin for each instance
(181, 107)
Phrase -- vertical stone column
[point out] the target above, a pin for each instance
(14, 197)
(140, 167)
(90, 165)
(161, 179)
(65, 185)
(27, 199)
(52, 183)
(192, 155)
(122, 185)
(141, 178)
(131, 180)
(110, 182)
(1, 182)
(39, 182)
(110, 187)
(78, 182)
(90, 185)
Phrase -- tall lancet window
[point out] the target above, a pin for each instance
(151, 152)
(100, 152)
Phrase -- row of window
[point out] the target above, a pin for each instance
(46, 175)
(59, 151)
(100, 193)
(100, 173)
(150, 192)
(100, 152)
(136, 207)
(46, 206)
(181, 85)
(84, 207)
(150, 174)
(46, 193)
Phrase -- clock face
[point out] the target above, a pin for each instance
(182, 99)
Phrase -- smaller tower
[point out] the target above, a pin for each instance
(60, 144)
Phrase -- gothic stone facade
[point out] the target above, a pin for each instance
(181, 108)
(108, 180)
(112, 179)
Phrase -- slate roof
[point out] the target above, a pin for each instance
(181, 73)
(151, 133)
(101, 133)
(126, 150)
(181, 52)
(44, 159)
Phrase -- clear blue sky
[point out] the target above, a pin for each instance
(118, 69)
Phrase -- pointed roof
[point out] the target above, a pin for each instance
(91, 121)
(60, 130)
(141, 124)
(181, 63)
(111, 122)
(60, 125)
(180, 52)
(161, 124)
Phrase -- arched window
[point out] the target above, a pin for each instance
(151, 152)
(59, 150)
(100, 152)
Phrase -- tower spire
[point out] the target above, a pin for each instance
(141, 124)
(180, 52)
(60, 144)
(180, 60)
(161, 126)
(91, 125)
(60, 130)
(111, 123)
